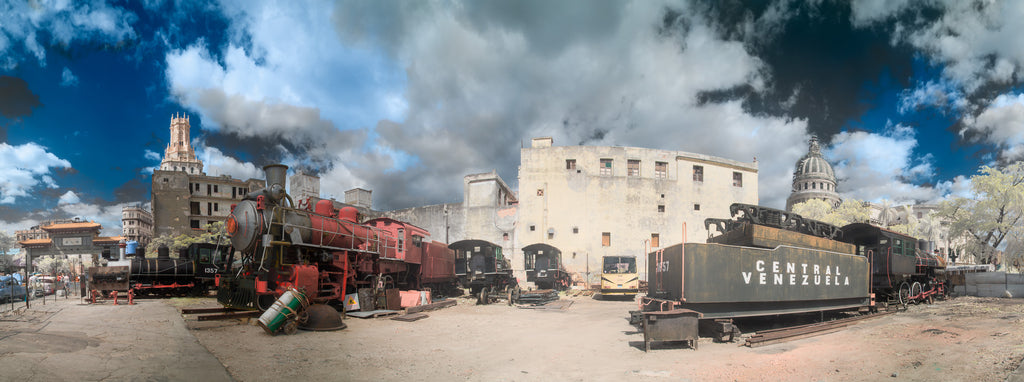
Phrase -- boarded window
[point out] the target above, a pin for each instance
(570, 164)
(606, 239)
(606, 166)
(633, 167)
(737, 179)
(698, 173)
(655, 240)
(661, 208)
(661, 170)
(696, 207)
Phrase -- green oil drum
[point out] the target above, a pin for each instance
(289, 305)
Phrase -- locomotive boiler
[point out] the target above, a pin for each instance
(324, 252)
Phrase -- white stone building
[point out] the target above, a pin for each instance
(593, 201)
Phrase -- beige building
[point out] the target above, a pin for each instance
(137, 224)
(184, 197)
(601, 201)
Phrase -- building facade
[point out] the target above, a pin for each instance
(813, 178)
(184, 198)
(592, 202)
(137, 224)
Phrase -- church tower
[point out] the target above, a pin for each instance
(813, 178)
(179, 155)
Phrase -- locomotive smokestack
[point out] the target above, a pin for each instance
(277, 176)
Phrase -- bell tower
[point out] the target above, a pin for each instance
(179, 156)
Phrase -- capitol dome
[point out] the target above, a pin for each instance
(813, 178)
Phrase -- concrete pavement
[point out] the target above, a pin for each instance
(69, 340)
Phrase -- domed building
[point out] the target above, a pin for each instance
(813, 178)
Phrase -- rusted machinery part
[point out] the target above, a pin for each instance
(322, 317)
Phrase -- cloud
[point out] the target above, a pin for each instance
(23, 167)
(873, 167)
(152, 155)
(940, 95)
(37, 25)
(1001, 124)
(68, 198)
(67, 78)
(215, 163)
(108, 216)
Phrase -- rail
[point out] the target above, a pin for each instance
(774, 336)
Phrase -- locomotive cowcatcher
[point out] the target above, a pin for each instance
(321, 251)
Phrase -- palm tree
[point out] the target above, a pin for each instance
(887, 215)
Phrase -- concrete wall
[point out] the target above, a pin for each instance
(992, 284)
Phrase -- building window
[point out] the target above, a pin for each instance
(737, 179)
(551, 234)
(575, 229)
(215, 190)
(540, 192)
(606, 166)
(633, 167)
(194, 207)
(165, 180)
(696, 207)
(234, 192)
(661, 170)
(216, 206)
(504, 236)
(209, 208)
(661, 208)
(698, 173)
(570, 164)
(606, 239)
(209, 188)
(655, 240)
(194, 224)
(814, 186)
(533, 228)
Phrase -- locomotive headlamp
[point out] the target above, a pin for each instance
(231, 225)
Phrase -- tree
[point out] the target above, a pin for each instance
(887, 215)
(991, 215)
(7, 242)
(175, 243)
(849, 211)
(52, 265)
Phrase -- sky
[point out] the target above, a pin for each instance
(909, 98)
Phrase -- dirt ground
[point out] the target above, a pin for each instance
(964, 339)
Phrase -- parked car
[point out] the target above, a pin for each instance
(44, 286)
(11, 289)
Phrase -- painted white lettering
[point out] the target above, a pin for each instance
(746, 277)
(817, 280)
(792, 279)
(837, 270)
(764, 278)
(828, 270)
(790, 267)
(828, 279)
(775, 267)
(805, 280)
(759, 265)
(816, 271)
(777, 279)
(847, 280)
(804, 266)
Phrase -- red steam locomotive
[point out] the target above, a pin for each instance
(324, 252)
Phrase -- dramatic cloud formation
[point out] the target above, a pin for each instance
(1001, 124)
(23, 168)
(37, 25)
(863, 176)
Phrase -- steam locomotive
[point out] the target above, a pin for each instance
(193, 273)
(323, 251)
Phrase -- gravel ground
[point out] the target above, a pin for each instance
(964, 339)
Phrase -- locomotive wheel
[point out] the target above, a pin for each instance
(904, 294)
(481, 299)
(915, 290)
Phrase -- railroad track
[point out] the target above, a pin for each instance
(774, 336)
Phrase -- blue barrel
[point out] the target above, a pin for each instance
(131, 246)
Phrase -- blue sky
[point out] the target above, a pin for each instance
(405, 98)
